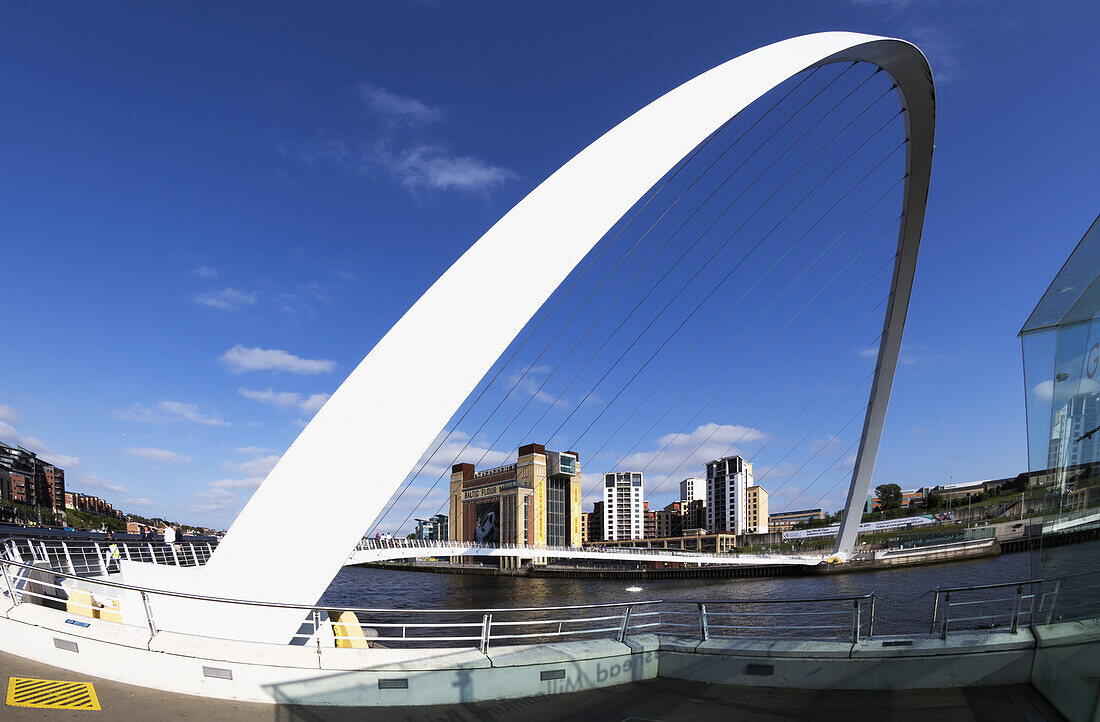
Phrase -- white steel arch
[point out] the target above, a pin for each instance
(296, 531)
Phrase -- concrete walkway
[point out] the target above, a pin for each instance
(655, 700)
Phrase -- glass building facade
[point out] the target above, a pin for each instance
(1060, 496)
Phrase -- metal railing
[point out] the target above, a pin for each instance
(89, 557)
(849, 619)
(984, 606)
(843, 617)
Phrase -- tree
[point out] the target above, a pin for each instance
(889, 496)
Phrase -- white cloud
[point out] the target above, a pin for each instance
(435, 168)
(250, 482)
(280, 399)
(818, 444)
(9, 415)
(683, 459)
(94, 482)
(313, 403)
(454, 451)
(253, 450)
(400, 148)
(240, 359)
(138, 413)
(169, 411)
(1044, 391)
(191, 413)
(170, 457)
(713, 440)
(525, 380)
(285, 400)
(397, 109)
(216, 500)
(62, 460)
(206, 272)
(227, 299)
(8, 434)
(139, 501)
(259, 466)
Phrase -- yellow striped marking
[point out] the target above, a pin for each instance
(51, 694)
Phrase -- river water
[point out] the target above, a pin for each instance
(904, 599)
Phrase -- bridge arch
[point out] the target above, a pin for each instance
(339, 473)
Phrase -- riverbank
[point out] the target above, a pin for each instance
(883, 560)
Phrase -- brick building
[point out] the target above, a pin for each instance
(26, 479)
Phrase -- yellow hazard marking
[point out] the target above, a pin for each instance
(51, 694)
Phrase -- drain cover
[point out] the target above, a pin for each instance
(51, 694)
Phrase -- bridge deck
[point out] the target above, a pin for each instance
(380, 551)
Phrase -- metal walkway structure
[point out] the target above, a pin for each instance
(370, 550)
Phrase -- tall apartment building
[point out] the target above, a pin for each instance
(592, 524)
(728, 481)
(624, 515)
(693, 489)
(693, 515)
(668, 522)
(649, 522)
(26, 479)
(756, 510)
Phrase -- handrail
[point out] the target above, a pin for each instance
(999, 585)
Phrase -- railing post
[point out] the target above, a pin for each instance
(871, 625)
(152, 554)
(704, 634)
(1054, 604)
(317, 629)
(935, 609)
(68, 558)
(946, 614)
(99, 556)
(174, 555)
(1016, 608)
(148, 614)
(626, 623)
(7, 581)
(486, 624)
(855, 621)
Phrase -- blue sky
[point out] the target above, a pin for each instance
(211, 213)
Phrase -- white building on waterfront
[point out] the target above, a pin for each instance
(693, 489)
(728, 480)
(623, 510)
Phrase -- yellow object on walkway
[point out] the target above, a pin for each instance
(347, 630)
(51, 694)
(83, 603)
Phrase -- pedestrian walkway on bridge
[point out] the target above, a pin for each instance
(656, 700)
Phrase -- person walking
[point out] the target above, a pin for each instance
(112, 557)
